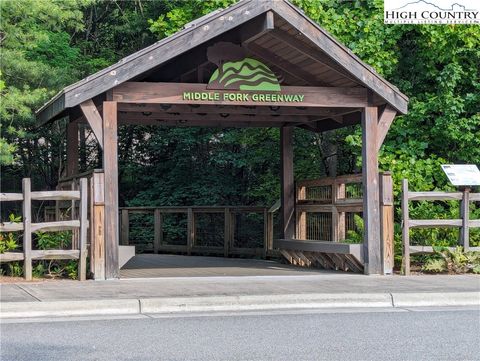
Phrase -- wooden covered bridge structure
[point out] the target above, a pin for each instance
(258, 63)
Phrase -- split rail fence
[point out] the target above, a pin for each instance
(464, 222)
(28, 254)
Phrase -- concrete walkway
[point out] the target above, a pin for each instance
(180, 294)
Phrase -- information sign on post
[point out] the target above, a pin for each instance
(465, 175)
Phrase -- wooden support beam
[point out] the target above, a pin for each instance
(110, 167)
(92, 115)
(172, 93)
(387, 222)
(97, 225)
(257, 28)
(371, 198)
(384, 123)
(287, 183)
(72, 148)
(82, 257)
(318, 112)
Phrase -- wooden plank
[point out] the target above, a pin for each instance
(97, 236)
(371, 198)
(338, 217)
(434, 196)
(11, 197)
(265, 233)
(474, 197)
(56, 254)
(82, 261)
(387, 221)
(341, 55)
(56, 195)
(287, 183)
(72, 148)
(27, 229)
(285, 66)
(124, 227)
(94, 119)
(355, 250)
(110, 166)
(313, 54)
(474, 223)
(172, 93)
(429, 249)
(434, 223)
(56, 226)
(226, 231)
(405, 227)
(11, 256)
(11, 227)
(157, 230)
(384, 122)
(190, 231)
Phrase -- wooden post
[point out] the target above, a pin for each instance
(190, 231)
(97, 221)
(73, 215)
(405, 228)
(157, 230)
(287, 183)
(27, 229)
(386, 209)
(226, 232)
(265, 233)
(125, 228)
(338, 218)
(110, 167)
(301, 216)
(465, 214)
(82, 261)
(371, 214)
(72, 148)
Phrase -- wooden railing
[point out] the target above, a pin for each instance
(325, 210)
(190, 242)
(464, 222)
(78, 251)
(322, 206)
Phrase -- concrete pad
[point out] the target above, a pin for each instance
(69, 308)
(436, 299)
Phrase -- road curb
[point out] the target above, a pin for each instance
(436, 299)
(69, 308)
(233, 303)
(269, 302)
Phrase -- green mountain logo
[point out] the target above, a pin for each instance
(246, 74)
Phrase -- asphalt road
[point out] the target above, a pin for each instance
(432, 334)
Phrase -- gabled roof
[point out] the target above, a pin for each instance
(313, 55)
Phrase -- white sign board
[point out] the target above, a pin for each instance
(462, 174)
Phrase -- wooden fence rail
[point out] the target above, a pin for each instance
(229, 215)
(28, 227)
(464, 223)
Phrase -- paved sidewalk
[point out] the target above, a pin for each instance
(235, 293)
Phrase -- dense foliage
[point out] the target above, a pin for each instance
(47, 45)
